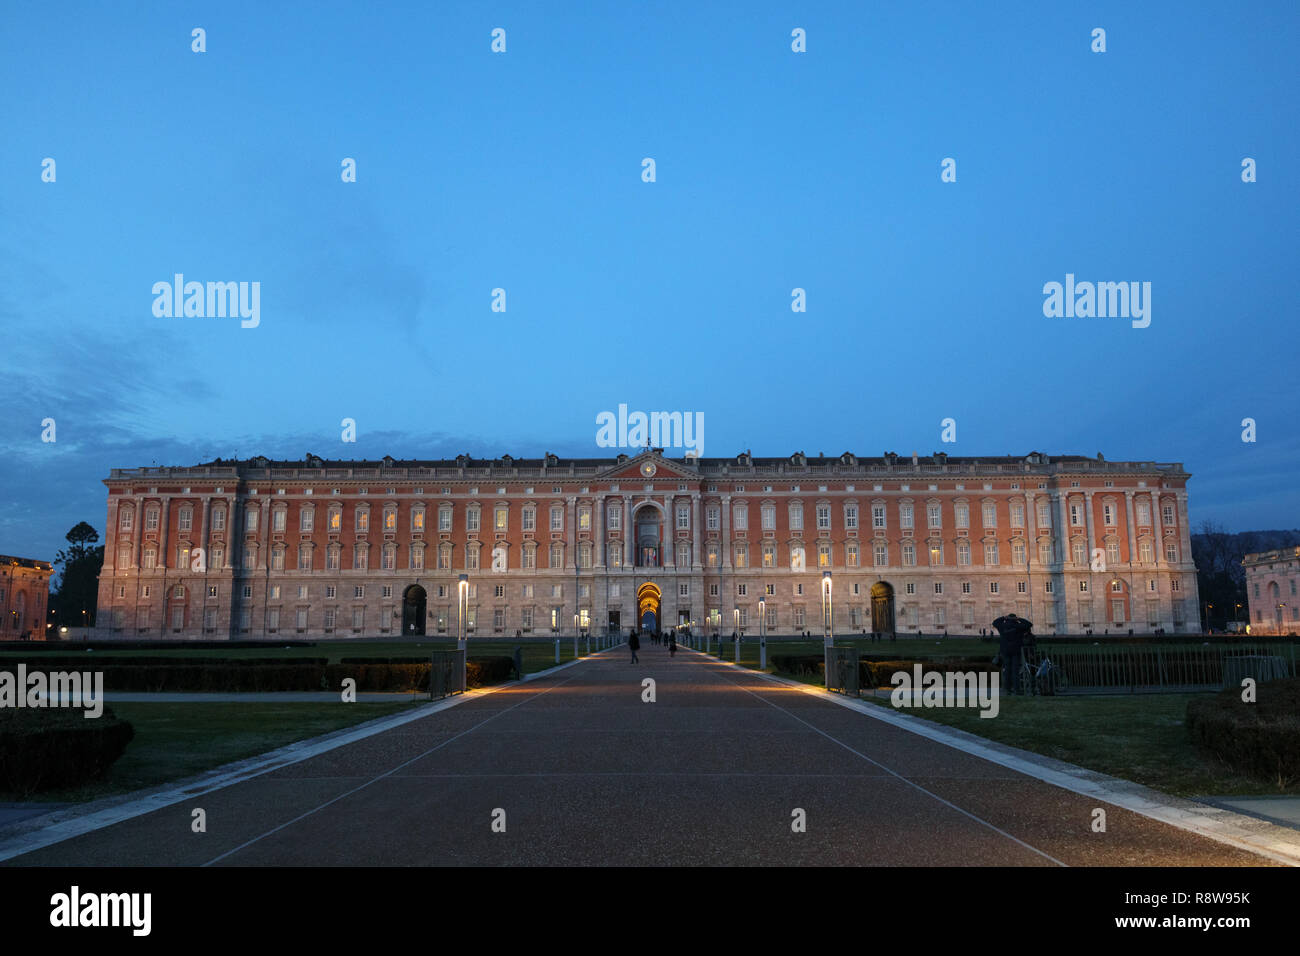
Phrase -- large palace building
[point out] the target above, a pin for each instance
(267, 549)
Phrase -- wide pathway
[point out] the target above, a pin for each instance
(579, 769)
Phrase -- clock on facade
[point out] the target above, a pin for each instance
(648, 469)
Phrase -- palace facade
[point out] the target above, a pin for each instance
(265, 549)
(1272, 582)
(24, 597)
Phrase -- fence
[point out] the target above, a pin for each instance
(1151, 668)
(842, 672)
(447, 674)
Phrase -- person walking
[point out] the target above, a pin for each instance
(634, 643)
(672, 644)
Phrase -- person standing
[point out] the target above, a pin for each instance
(672, 644)
(1012, 633)
(634, 643)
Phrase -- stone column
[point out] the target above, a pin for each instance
(1128, 517)
(1031, 533)
(571, 535)
(696, 558)
(670, 533)
(1089, 524)
(137, 531)
(1157, 527)
(598, 532)
(629, 532)
(726, 532)
(1063, 533)
(163, 527)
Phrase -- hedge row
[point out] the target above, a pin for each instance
(78, 662)
(873, 673)
(228, 677)
(1260, 739)
(45, 748)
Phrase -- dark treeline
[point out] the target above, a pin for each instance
(1219, 575)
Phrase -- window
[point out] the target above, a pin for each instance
(989, 512)
(1044, 552)
(1047, 587)
(1116, 587)
(332, 559)
(823, 555)
(1167, 515)
(881, 555)
(363, 518)
(185, 519)
(417, 518)
(1079, 551)
(304, 557)
(615, 517)
(1112, 552)
(742, 590)
(1144, 513)
(306, 519)
(1108, 514)
(1017, 514)
(1044, 514)
(909, 554)
(990, 554)
(358, 618)
(278, 519)
(277, 559)
(712, 518)
(768, 512)
(934, 515)
(936, 554)
(151, 519)
(877, 516)
(1018, 553)
(1171, 552)
(250, 556)
(993, 587)
(557, 518)
(741, 555)
(938, 587)
(360, 557)
(390, 518)
(1076, 515)
(823, 517)
(501, 518)
(471, 558)
(415, 559)
(683, 554)
(961, 511)
(683, 517)
(796, 517)
(740, 516)
(557, 555)
(963, 553)
(275, 592)
(250, 519)
(711, 555)
(127, 519)
(905, 515)
(1145, 552)
(850, 554)
(1083, 587)
(335, 519)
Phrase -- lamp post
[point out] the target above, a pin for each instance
(462, 611)
(826, 610)
(1281, 618)
(735, 632)
(762, 632)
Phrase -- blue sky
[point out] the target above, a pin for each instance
(522, 170)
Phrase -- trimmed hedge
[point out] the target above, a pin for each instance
(46, 748)
(1261, 740)
(873, 673)
(401, 674)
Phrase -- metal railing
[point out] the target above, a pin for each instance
(842, 674)
(446, 674)
(1148, 668)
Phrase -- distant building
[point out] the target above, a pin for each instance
(24, 596)
(259, 548)
(1272, 579)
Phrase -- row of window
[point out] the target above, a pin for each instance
(1273, 589)
(415, 555)
(740, 516)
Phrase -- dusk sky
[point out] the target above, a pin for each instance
(522, 170)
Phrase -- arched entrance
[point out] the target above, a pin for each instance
(414, 600)
(648, 601)
(882, 608)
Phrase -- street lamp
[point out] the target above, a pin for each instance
(735, 633)
(826, 609)
(762, 632)
(1281, 618)
(463, 588)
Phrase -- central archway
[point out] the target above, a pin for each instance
(414, 601)
(882, 608)
(648, 601)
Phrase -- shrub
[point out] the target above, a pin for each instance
(45, 748)
(1261, 739)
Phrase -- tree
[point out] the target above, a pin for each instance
(79, 564)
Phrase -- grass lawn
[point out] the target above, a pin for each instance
(176, 740)
(1138, 737)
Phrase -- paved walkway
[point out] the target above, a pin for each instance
(586, 773)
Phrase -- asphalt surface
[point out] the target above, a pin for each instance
(587, 773)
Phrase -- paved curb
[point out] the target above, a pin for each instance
(1278, 843)
(34, 833)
